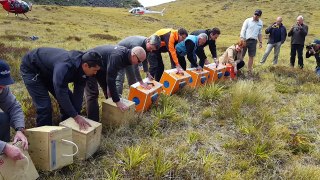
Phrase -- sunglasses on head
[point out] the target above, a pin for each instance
(137, 57)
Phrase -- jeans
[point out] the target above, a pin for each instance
(4, 127)
(294, 49)
(39, 89)
(131, 77)
(276, 47)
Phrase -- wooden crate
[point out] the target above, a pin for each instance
(172, 82)
(198, 78)
(17, 170)
(221, 69)
(144, 98)
(112, 116)
(48, 147)
(88, 141)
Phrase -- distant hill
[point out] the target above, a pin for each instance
(100, 3)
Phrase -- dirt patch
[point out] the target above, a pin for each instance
(104, 36)
(70, 38)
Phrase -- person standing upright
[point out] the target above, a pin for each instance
(277, 35)
(251, 33)
(298, 33)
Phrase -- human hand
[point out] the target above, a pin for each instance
(260, 45)
(199, 68)
(13, 152)
(235, 70)
(144, 85)
(21, 137)
(149, 76)
(179, 69)
(83, 124)
(206, 61)
(121, 106)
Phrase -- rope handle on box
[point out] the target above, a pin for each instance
(74, 144)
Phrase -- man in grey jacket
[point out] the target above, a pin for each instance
(10, 115)
(298, 33)
(133, 75)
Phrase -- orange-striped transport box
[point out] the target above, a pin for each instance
(144, 98)
(198, 78)
(173, 81)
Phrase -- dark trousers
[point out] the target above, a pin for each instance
(156, 65)
(39, 89)
(182, 62)
(240, 65)
(4, 127)
(91, 92)
(296, 48)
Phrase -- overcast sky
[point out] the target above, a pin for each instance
(148, 3)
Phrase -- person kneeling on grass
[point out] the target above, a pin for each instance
(10, 115)
(233, 55)
(314, 50)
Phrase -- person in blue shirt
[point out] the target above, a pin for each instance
(50, 70)
(189, 47)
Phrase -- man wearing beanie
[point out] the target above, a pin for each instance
(133, 75)
(47, 70)
(10, 115)
(251, 32)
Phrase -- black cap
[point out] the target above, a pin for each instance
(258, 12)
(5, 78)
(92, 56)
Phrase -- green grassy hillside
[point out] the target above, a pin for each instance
(265, 127)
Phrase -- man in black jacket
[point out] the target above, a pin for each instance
(51, 70)
(212, 34)
(114, 59)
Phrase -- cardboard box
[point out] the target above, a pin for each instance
(198, 78)
(172, 82)
(50, 147)
(112, 116)
(88, 141)
(17, 170)
(144, 98)
(230, 74)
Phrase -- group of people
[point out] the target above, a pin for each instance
(50, 70)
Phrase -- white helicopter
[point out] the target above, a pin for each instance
(142, 10)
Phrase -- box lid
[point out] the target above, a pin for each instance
(125, 101)
(154, 84)
(71, 123)
(193, 70)
(46, 128)
(173, 73)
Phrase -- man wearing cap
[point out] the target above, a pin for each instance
(133, 75)
(213, 35)
(277, 35)
(114, 59)
(189, 47)
(10, 115)
(314, 50)
(169, 39)
(47, 70)
(251, 33)
(298, 33)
